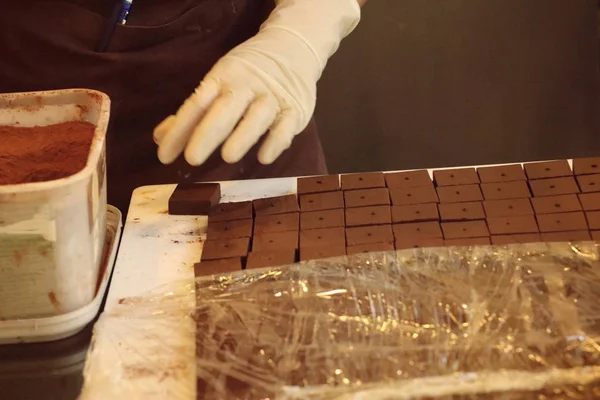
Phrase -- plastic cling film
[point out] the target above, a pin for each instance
(515, 322)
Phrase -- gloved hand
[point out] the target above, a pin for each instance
(266, 84)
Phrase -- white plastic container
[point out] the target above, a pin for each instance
(52, 233)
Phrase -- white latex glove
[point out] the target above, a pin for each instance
(266, 84)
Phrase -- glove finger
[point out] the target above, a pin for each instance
(279, 139)
(256, 122)
(187, 118)
(161, 129)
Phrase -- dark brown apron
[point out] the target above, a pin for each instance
(151, 65)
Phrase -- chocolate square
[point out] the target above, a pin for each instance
(415, 213)
(276, 223)
(505, 190)
(230, 212)
(218, 267)
(461, 230)
(596, 236)
(418, 243)
(455, 177)
(276, 205)
(229, 229)
(590, 201)
(574, 221)
(503, 173)
(366, 197)
(318, 184)
(323, 237)
(322, 201)
(548, 169)
(556, 204)
(459, 194)
(554, 186)
(464, 242)
(412, 231)
(593, 219)
(512, 225)
(363, 181)
(275, 258)
(589, 183)
(364, 216)
(226, 248)
(415, 195)
(461, 211)
(370, 248)
(194, 198)
(586, 166)
(520, 238)
(321, 252)
(322, 219)
(275, 241)
(570, 236)
(369, 234)
(408, 179)
(507, 208)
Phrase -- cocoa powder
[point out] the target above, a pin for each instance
(43, 153)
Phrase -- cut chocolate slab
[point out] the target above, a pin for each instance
(455, 177)
(323, 237)
(590, 201)
(408, 179)
(505, 190)
(318, 184)
(460, 242)
(265, 259)
(363, 181)
(366, 197)
(194, 198)
(229, 229)
(370, 248)
(275, 241)
(429, 230)
(322, 219)
(416, 195)
(574, 221)
(322, 201)
(596, 236)
(276, 205)
(230, 212)
(556, 204)
(369, 234)
(507, 208)
(459, 194)
(589, 183)
(218, 267)
(415, 213)
(586, 166)
(593, 219)
(226, 248)
(461, 230)
(418, 243)
(554, 186)
(512, 225)
(276, 223)
(500, 240)
(503, 173)
(461, 211)
(571, 236)
(548, 169)
(321, 252)
(364, 216)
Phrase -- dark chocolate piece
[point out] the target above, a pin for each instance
(502, 173)
(415, 213)
(461, 211)
(548, 169)
(590, 201)
(500, 240)
(318, 184)
(194, 198)
(369, 234)
(596, 236)
(505, 190)
(593, 219)
(455, 177)
(321, 252)
(586, 166)
(570, 236)
(322, 201)
(276, 223)
(227, 248)
(574, 221)
(366, 197)
(556, 204)
(364, 216)
(322, 219)
(275, 241)
(275, 258)
(415, 195)
(370, 248)
(428, 230)
(229, 229)
(554, 186)
(461, 230)
(408, 179)
(463, 242)
(589, 183)
(363, 181)
(323, 237)
(230, 212)
(276, 205)
(507, 208)
(417, 243)
(218, 267)
(512, 225)
(459, 194)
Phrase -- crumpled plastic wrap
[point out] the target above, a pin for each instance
(513, 322)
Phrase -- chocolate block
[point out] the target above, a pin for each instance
(322, 201)
(554, 186)
(556, 204)
(503, 173)
(589, 183)
(323, 237)
(500, 240)
(364, 216)
(463, 242)
(276, 223)
(194, 198)
(227, 248)
(416, 195)
(366, 197)
(505, 190)
(596, 236)
(590, 201)
(548, 169)
(229, 229)
(593, 219)
(218, 267)
(571, 236)
(459, 194)
(322, 219)
(363, 181)
(276, 205)
(321, 252)
(408, 179)
(461, 230)
(318, 184)
(586, 166)
(230, 212)
(461, 211)
(417, 243)
(265, 259)
(507, 208)
(275, 241)
(370, 248)
(574, 221)
(512, 225)
(455, 177)
(369, 234)
(428, 230)
(415, 213)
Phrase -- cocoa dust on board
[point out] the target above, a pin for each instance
(43, 153)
